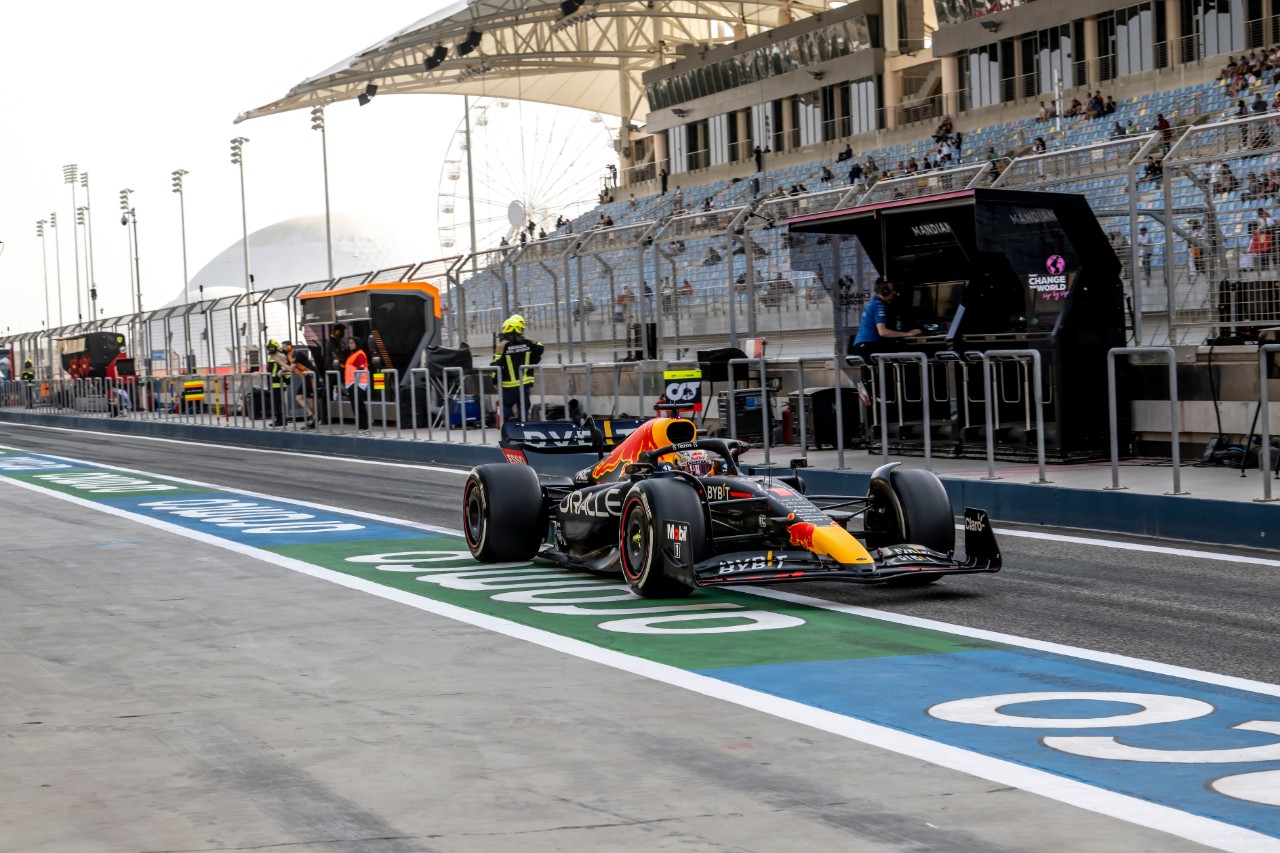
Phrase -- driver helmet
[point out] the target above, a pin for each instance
(697, 462)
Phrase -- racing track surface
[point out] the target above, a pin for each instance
(1203, 614)
(539, 749)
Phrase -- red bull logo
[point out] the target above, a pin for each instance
(802, 534)
(831, 540)
(649, 435)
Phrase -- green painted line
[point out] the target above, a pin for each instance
(805, 634)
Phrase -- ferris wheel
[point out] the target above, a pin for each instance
(531, 162)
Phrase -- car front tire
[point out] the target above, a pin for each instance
(503, 517)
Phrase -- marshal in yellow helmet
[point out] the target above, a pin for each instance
(514, 323)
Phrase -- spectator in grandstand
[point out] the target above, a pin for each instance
(869, 168)
(855, 173)
(686, 289)
(622, 303)
(1153, 170)
(1262, 242)
(758, 155)
(1166, 130)
(662, 180)
(667, 295)
(1045, 112)
(1117, 131)
(542, 233)
(1038, 146)
(1248, 257)
(1145, 249)
(1095, 106)
(1254, 189)
(1224, 180)
(1195, 248)
(706, 204)
(846, 154)
(1132, 129)
(1076, 109)
(1109, 107)
(826, 175)
(583, 308)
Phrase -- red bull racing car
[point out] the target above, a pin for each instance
(671, 513)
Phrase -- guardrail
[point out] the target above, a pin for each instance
(1264, 407)
(1020, 355)
(1175, 416)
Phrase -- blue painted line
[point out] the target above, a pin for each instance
(898, 691)
(266, 533)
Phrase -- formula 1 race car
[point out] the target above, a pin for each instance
(672, 513)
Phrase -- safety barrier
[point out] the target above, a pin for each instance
(1175, 416)
(1269, 467)
(882, 360)
(1019, 355)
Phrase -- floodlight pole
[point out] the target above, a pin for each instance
(182, 212)
(69, 174)
(57, 257)
(44, 257)
(317, 123)
(88, 233)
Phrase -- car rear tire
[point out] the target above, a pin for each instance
(641, 536)
(503, 517)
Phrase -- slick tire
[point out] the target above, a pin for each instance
(912, 508)
(642, 537)
(503, 516)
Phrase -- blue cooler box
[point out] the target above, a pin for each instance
(464, 411)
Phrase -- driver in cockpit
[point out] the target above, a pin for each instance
(697, 462)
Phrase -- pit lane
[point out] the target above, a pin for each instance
(365, 488)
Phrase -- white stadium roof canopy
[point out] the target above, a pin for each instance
(591, 59)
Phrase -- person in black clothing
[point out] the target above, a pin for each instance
(758, 156)
(513, 354)
(304, 380)
(28, 377)
(278, 371)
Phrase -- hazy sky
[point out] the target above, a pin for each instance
(131, 90)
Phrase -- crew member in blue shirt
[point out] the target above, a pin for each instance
(874, 334)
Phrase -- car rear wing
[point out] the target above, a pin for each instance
(588, 436)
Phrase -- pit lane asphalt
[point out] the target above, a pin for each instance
(1187, 611)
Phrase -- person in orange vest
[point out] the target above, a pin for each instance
(355, 382)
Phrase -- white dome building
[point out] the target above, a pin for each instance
(293, 251)
(286, 253)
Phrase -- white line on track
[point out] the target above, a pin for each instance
(1202, 830)
(462, 472)
(1140, 664)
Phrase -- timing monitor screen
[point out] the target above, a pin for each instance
(936, 302)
